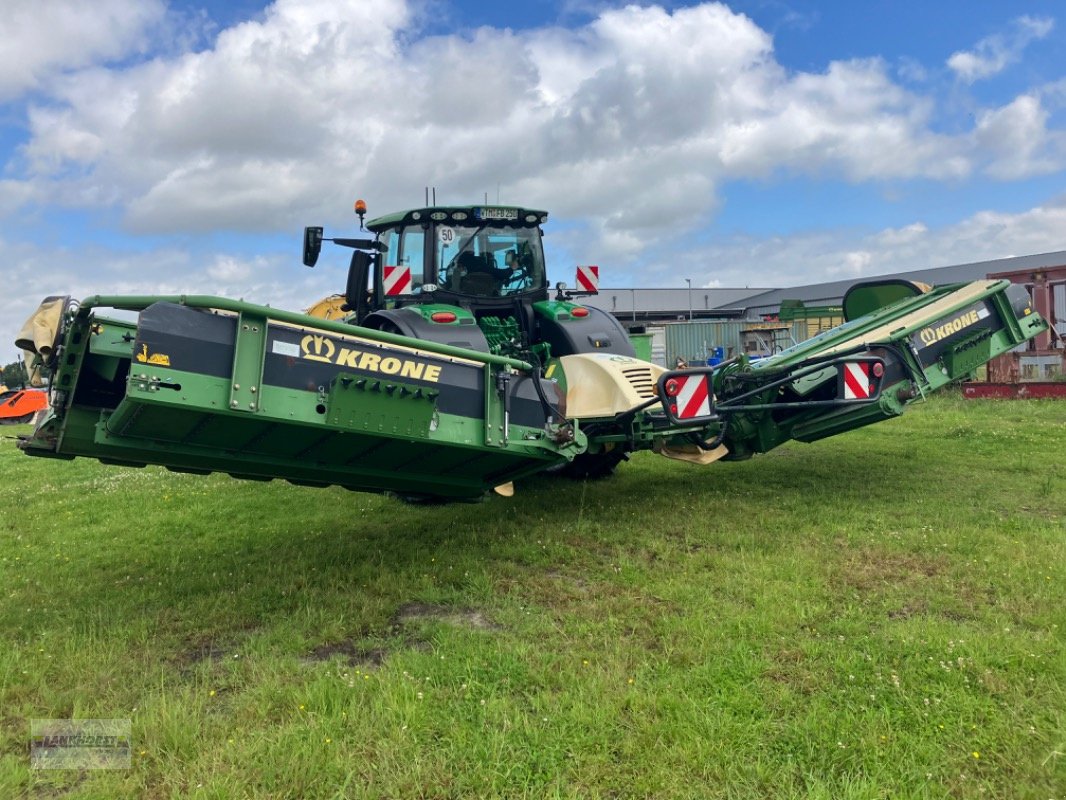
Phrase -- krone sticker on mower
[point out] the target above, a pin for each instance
(936, 333)
(323, 349)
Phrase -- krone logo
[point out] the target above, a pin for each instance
(933, 335)
(317, 348)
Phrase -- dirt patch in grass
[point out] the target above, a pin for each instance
(789, 667)
(460, 617)
(201, 651)
(572, 580)
(909, 609)
(907, 585)
(59, 785)
(361, 655)
(353, 654)
(14, 724)
(870, 569)
(213, 646)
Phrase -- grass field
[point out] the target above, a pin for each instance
(876, 616)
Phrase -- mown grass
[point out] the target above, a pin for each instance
(877, 615)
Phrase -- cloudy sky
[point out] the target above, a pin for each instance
(180, 146)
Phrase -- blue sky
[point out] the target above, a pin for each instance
(154, 146)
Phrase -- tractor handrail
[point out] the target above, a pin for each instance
(141, 302)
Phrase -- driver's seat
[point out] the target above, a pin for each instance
(480, 283)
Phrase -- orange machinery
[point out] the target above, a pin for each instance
(20, 405)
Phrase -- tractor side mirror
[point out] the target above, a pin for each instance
(312, 245)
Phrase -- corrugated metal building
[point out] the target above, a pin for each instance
(697, 341)
(639, 306)
(721, 315)
(832, 293)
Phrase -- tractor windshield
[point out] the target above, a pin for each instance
(489, 262)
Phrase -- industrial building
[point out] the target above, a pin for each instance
(693, 323)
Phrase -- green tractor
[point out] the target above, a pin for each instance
(473, 277)
(452, 370)
(469, 276)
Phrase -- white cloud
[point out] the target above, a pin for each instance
(853, 264)
(896, 237)
(911, 69)
(230, 269)
(993, 54)
(1016, 138)
(15, 194)
(627, 127)
(850, 119)
(288, 117)
(815, 256)
(43, 37)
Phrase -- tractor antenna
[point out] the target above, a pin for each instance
(486, 198)
(427, 195)
(434, 195)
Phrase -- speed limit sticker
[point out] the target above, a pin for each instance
(446, 235)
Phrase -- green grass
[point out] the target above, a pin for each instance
(877, 615)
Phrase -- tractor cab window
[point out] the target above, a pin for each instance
(406, 248)
(489, 262)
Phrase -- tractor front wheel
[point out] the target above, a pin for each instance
(592, 466)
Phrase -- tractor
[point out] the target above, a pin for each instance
(468, 276)
(471, 277)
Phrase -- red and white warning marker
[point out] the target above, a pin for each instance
(857, 383)
(690, 395)
(588, 279)
(397, 280)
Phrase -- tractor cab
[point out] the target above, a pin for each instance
(468, 276)
(476, 257)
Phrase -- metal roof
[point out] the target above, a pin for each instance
(640, 304)
(832, 292)
(664, 303)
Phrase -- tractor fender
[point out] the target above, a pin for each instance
(599, 332)
(408, 322)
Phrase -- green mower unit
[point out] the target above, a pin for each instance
(455, 371)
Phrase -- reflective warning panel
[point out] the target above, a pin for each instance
(588, 279)
(860, 379)
(396, 280)
(857, 384)
(687, 395)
